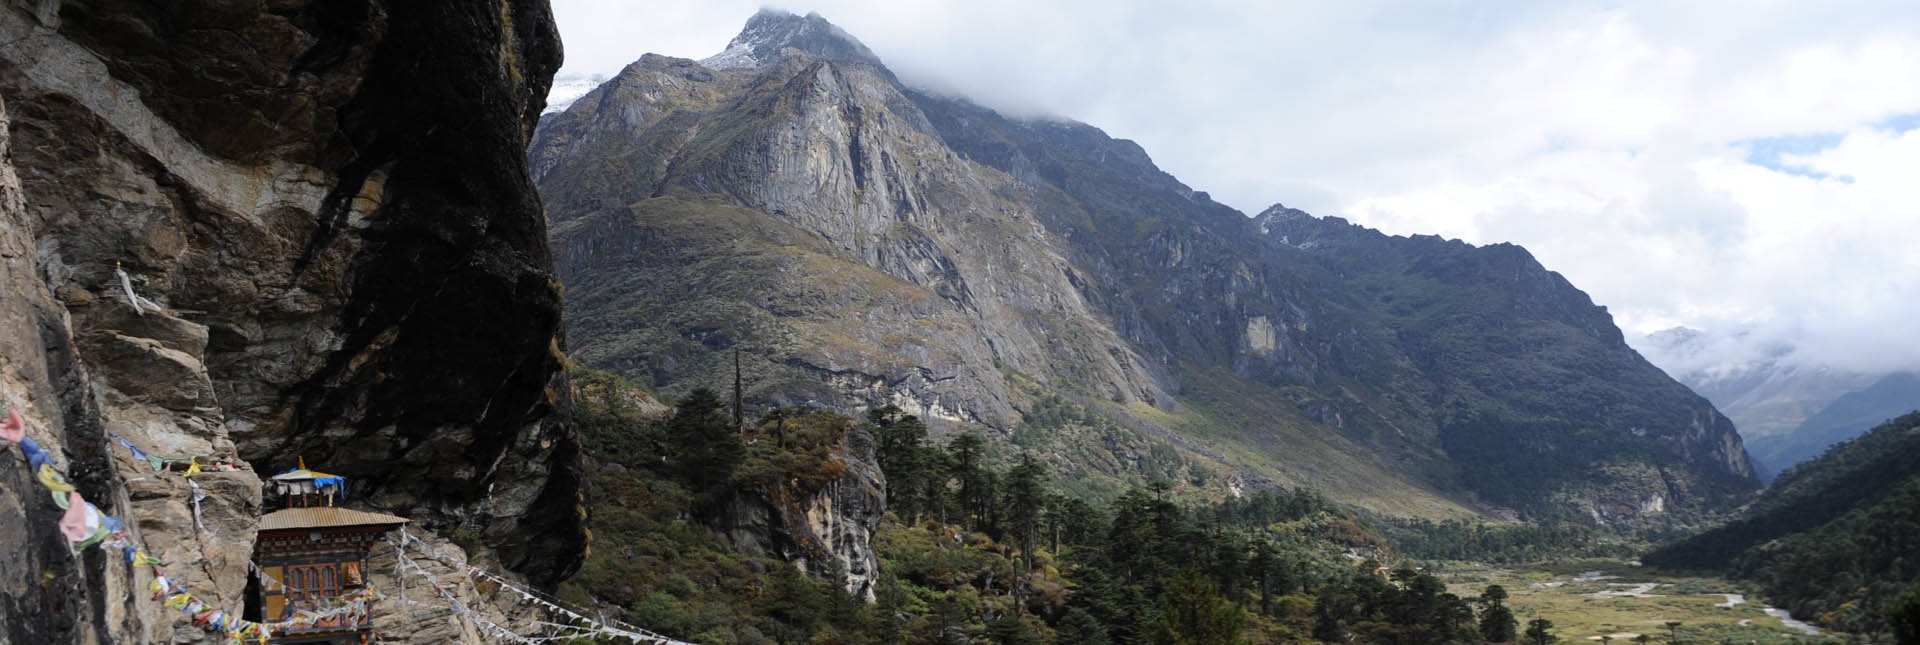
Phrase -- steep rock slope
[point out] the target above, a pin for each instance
(1528, 385)
(862, 242)
(330, 206)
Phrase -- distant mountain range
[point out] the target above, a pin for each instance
(1787, 412)
(858, 242)
(1845, 418)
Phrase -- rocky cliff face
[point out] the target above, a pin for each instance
(873, 213)
(867, 243)
(329, 206)
(827, 532)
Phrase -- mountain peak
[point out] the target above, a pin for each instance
(1281, 212)
(771, 32)
(1299, 228)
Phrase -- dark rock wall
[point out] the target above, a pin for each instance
(332, 203)
(43, 594)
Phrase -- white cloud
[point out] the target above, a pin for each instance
(1611, 139)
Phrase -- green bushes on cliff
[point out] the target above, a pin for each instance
(971, 552)
(656, 476)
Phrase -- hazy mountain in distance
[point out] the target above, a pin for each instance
(1843, 419)
(1763, 391)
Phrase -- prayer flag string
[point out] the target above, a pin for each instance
(580, 626)
(85, 526)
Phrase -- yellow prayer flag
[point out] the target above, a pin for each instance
(51, 479)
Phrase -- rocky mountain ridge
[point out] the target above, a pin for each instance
(863, 242)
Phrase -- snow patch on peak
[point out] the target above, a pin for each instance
(771, 32)
(737, 55)
(569, 88)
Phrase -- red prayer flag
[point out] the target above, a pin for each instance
(13, 429)
(74, 523)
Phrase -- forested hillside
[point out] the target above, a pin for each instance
(969, 550)
(1836, 540)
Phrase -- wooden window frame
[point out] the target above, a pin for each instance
(309, 582)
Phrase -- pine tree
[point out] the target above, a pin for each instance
(1010, 630)
(739, 403)
(1539, 632)
(1497, 623)
(1265, 567)
(1226, 554)
(1904, 618)
(706, 447)
(1080, 627)
(1195, 612)
(899, 440)
(933, 488)
(1072, 521)
(975, 497)
(1025, 498)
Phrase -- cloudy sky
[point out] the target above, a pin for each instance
(1747, 165)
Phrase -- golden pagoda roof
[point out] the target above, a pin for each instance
(303, 473)
(324, 517)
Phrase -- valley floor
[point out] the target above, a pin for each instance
(1588, 599)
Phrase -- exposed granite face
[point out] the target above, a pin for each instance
(331, 204)
(83, 365)
(411, 611)
(872, 213)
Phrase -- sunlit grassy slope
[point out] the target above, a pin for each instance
(1258, 430)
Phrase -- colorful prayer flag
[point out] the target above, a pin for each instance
(51, 479)
(13, 428)
(74, 522)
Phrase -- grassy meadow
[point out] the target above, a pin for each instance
(1589, 600)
